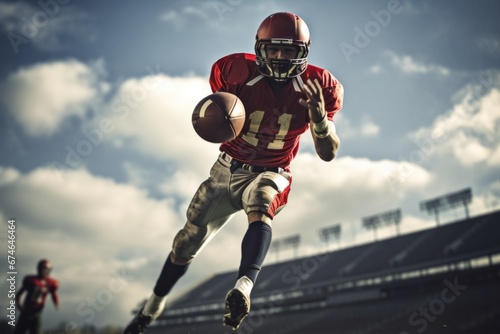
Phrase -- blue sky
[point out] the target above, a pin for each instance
(99, 160)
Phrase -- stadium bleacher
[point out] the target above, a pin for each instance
(440, 280)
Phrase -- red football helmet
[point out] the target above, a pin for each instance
(282, 29)
(44, 267)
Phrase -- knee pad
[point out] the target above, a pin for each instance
(261, 192)
(189, 241)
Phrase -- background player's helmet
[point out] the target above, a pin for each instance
(44, 267)
(282, 29)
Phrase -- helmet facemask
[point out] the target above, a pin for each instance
(281, 69)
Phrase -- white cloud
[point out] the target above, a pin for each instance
(369, 128)
(461, 148)
(173, 18)
(407, 65)
(92, 206)
(199, 12)
(8, 175)
(375, 69)
(41, 97)
(469, 132)
(469, 151)
(91, 228)
(365, 128)
(153, 115)
(210, 14)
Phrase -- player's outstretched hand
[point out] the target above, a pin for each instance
(315, 102)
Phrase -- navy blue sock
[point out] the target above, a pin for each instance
(169, 275)
(254, 248)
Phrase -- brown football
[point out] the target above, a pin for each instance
(219, 117)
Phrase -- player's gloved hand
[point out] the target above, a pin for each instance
(315, 102)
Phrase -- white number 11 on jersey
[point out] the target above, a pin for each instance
(255, 123)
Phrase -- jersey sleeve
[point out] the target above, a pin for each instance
(229, 72)
(54, 285)
(217, 81)
(333, 93)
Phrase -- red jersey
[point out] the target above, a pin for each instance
(274, 117)
(37, 290)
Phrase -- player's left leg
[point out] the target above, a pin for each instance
(22, 325)
(34, 323)
(262, 199)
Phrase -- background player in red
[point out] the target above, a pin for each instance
(283, 96)
(36, 287)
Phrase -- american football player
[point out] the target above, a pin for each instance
(284, 97)
(36, 287)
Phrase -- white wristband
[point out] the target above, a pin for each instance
(321, 129)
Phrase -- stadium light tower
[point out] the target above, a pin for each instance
(279, 244)
(326, 233)
(392, 217)
(275, 248)
(432, 206)
(463, 197)
(446, 202)
(293, 242)
(371, 223)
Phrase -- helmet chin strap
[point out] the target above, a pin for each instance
(275, 83)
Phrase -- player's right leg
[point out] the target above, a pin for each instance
(208, 211)
(170, 274)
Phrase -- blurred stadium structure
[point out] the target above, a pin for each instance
(440, 280)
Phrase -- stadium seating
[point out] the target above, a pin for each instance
(441, 280)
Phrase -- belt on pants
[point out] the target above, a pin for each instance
(235, 164)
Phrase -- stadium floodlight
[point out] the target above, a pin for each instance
(372, 223)
(293, 242)
(326, 233)
(275, 248)
(284, 243)
(392, 217)
(463, 197)
(446, 202)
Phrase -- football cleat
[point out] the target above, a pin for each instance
(237, 304)
(139, 324)
(236, 309)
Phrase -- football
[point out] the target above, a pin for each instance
(219, 117)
